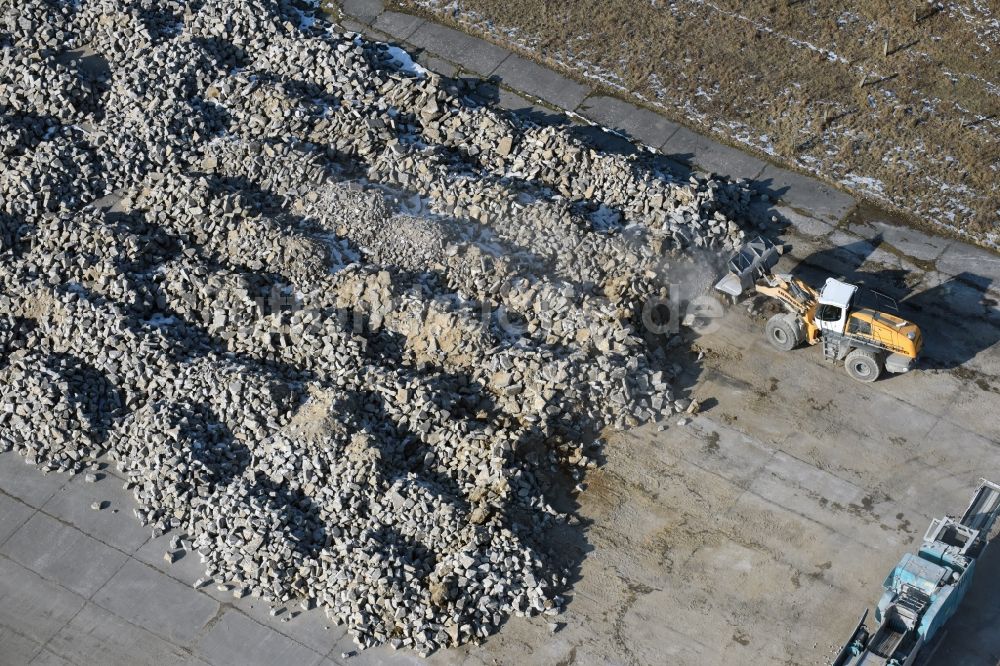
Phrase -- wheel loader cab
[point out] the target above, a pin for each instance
(833, 306)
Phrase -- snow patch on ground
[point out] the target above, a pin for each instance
(404, 63)
(867, 183)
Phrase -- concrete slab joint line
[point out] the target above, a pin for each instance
(468, 52)
(506, 57)
(543, 83)
(63, 554)
(151, 599)
(695, 149)
(641, 124)
(806, 193)
(96, 636)
(235, 640)
(13, 515)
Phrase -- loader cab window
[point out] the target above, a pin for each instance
(829, 313)
(859, 327)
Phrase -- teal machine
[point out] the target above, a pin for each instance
(924, 590)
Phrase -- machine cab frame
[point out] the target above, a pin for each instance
(833, 306)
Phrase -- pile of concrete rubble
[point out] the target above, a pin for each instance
(343, 328)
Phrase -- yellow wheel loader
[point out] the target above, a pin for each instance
(866, 339)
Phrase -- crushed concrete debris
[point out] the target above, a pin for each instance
(339, 324)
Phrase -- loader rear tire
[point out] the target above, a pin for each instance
(783, 334)
(863, 365)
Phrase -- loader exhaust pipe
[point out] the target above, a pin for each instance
(749, 264)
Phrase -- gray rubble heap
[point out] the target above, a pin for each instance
(339, 325)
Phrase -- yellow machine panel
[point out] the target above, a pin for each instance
(885, 330)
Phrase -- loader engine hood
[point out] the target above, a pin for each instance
(905, 335)
(899, 335)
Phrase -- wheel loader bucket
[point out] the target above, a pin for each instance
(754, 260)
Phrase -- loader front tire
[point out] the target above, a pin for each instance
(782, 333)
(863, 365)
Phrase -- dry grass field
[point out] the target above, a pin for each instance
(915, 126)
